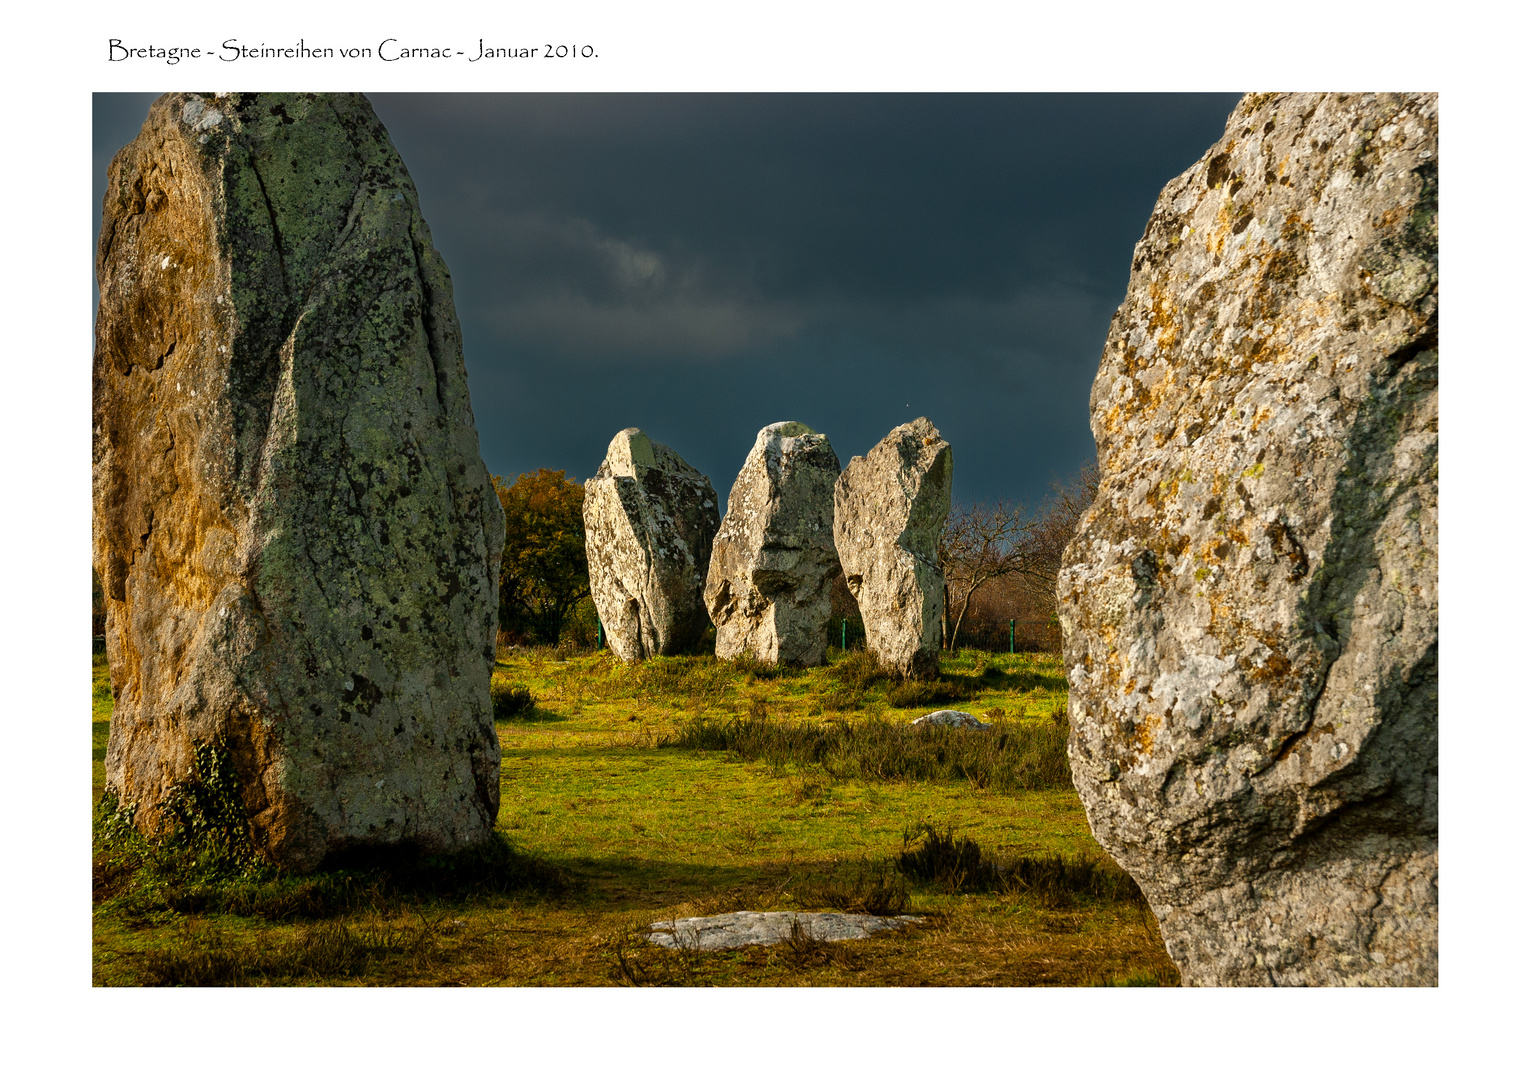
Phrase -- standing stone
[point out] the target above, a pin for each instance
(649, 523)
(299, 542)
(890, 507)
(1249, 607)
(774, 556)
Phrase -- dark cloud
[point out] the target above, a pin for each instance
(701, 265)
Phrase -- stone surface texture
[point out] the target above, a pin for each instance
(709, 933)
(768, 585)
(1250, 605)
(890, 507)
(298, 539)
(951, 718)
(649, 523)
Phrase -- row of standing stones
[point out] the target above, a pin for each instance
(662, 566)
(299, 541)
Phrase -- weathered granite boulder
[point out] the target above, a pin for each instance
(649, 523)
(1249, 606)
(299, 542)
(890, 507)
(774, 556)
(951, 718)
(708, 933)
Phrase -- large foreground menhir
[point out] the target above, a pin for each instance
(1250, 606)
(296, 533)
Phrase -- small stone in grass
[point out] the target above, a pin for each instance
(951, 718)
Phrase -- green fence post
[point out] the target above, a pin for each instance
(843, 623)
(1012, 635)
(600, 636)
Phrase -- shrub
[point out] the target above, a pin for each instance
(510, 699)
(1053, 881)
(859, 671)
(954, 864)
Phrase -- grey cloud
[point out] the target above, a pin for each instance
(703, 264)
(675, 327)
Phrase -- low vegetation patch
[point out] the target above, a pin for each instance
(1053, 881)
(510, 698)
(1005, 757)
(869, 887)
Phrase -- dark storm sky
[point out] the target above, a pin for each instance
(702, 265)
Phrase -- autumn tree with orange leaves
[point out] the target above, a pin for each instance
(543, 573)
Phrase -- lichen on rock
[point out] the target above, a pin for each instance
(1250, 605)
(297, 537)
(649, 523)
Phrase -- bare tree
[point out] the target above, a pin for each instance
(987, 542)
(983, 542)
(1055, 527)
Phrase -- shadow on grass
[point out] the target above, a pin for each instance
(1051, 881)
(203, 955)
(207, 870)
(536, 715)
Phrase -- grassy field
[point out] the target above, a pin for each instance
(685, 786)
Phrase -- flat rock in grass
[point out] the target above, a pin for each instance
(768, 585)
(649, 523)
(1249, 608)
(951, 718)
(298, 540)
(711, 932)
(890, 507)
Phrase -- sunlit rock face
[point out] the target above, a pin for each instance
(890, 507)
(768, 586)
(298, 539)
(649, 523)
(1250, 605)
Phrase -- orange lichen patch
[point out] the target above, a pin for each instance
(1295, 229)
(1222, 228)
(1142, 741)
(1261, 416)
(1276, 665)
(1163, 317)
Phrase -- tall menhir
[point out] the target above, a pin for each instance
(1250, 608)
(297, 536)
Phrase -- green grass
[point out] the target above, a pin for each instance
(1006, 757)
(100, 723)
(635, 794)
